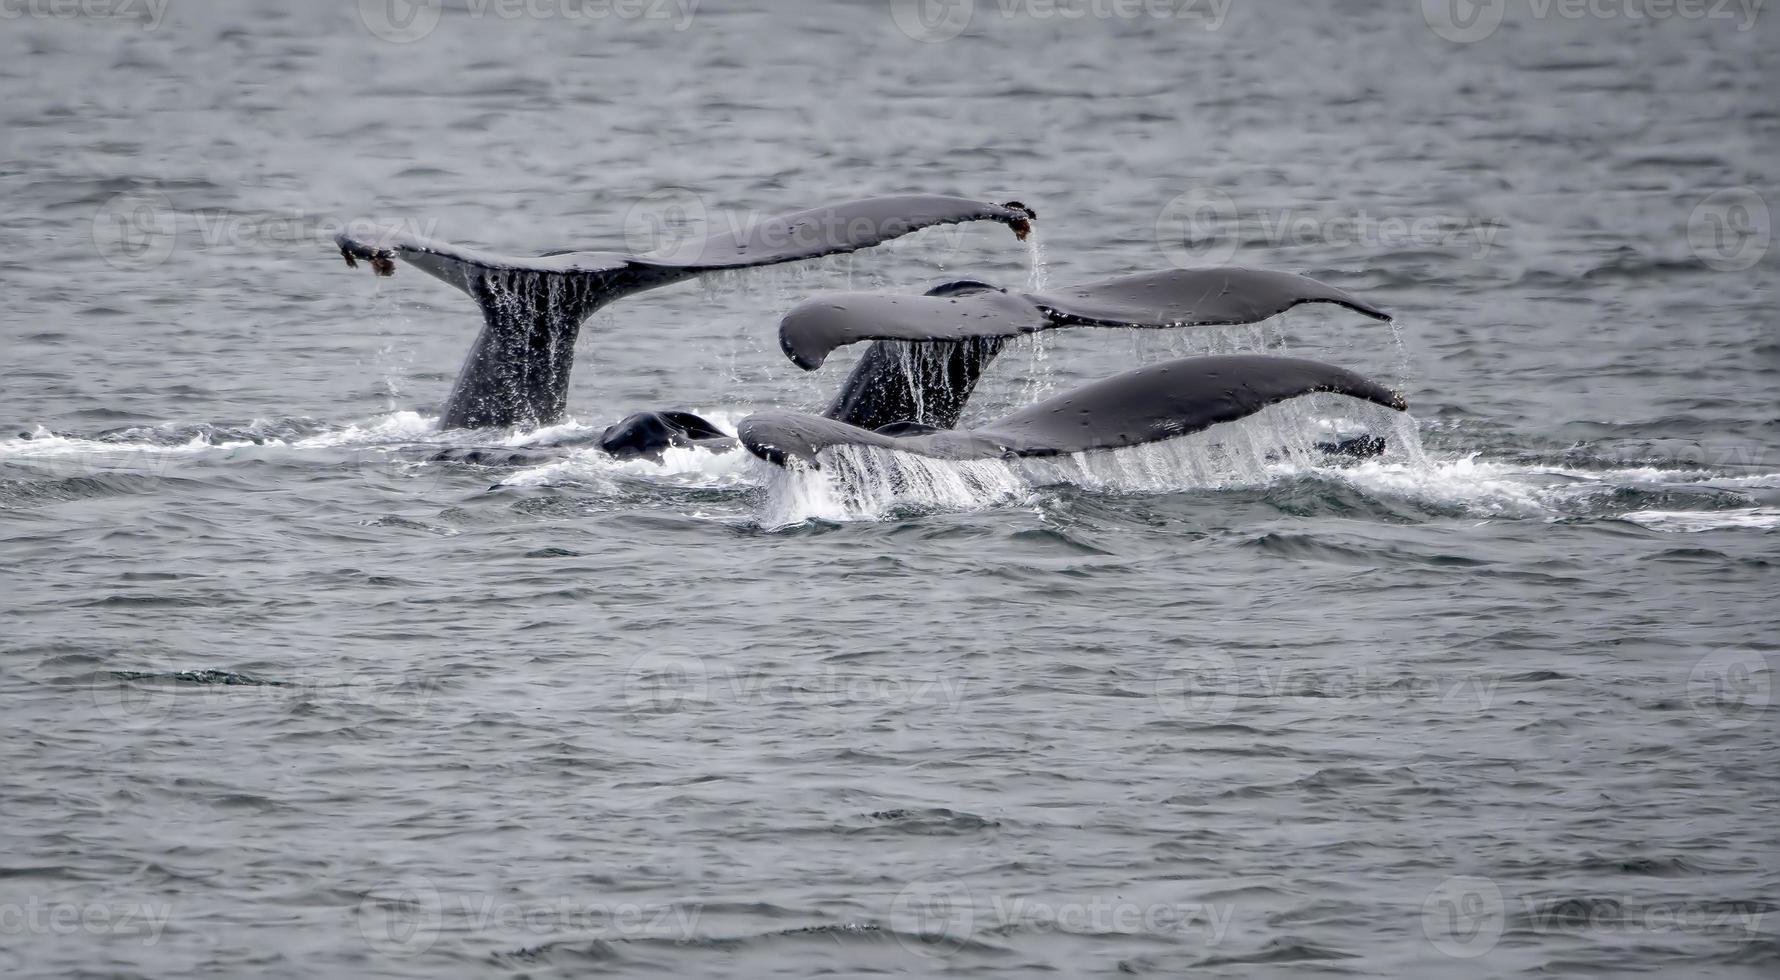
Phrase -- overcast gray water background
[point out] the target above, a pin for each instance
(281, 697)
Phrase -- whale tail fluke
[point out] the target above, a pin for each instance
(929, 351)
(971, 310)
(1145, 405)
(533, 307)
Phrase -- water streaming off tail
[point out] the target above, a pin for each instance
(1279, 440)
(864, 483)
(916, 363)
(1038, 271)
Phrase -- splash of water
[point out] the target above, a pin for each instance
(1280, 440)
(866, 483)
(679, 466)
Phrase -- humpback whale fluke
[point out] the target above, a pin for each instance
(1148, 404)
(970, 310)
(517, 373)
(950, 335)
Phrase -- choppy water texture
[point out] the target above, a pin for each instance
(283, 697)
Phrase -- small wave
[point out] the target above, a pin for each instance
(203, 675)
(1273, 453)
(1284, 950)
(930, 822)
(1694, 521)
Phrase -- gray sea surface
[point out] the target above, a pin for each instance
(282, 695)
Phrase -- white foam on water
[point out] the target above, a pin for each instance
(1278, 441)
(679, 465)
(63, 456)
(1465, 484)
(855, 483)
(396, 427)
(864, 483)
(1694, 521)
(151, 453)
(1275, 445)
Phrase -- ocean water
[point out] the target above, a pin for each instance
(281, 695)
